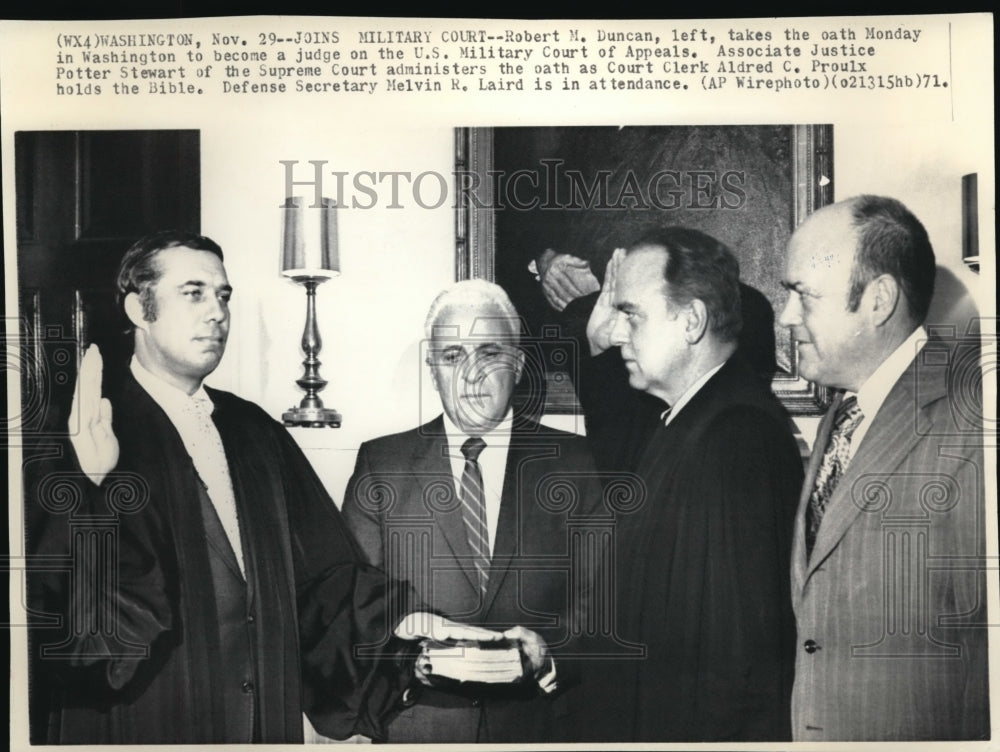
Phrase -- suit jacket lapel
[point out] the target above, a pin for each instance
(799, 562)
(431, 465)
(518, 479)
(892, 435)
(505, 540)
(215, 533)
(249, 482)
(508, 522)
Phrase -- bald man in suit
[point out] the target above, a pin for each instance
(888, 560)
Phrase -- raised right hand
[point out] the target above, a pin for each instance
(90, 429)
(602, 317)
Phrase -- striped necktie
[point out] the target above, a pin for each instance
(474, 509)
(835, 458)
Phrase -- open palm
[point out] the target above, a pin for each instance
(90, 429)
(602, 317)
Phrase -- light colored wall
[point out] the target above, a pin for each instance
(370, 318)
(395, 260)
(922, 165)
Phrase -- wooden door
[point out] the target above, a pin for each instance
(83, 197)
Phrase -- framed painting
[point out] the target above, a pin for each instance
(525, 194)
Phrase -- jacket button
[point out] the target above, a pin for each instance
(477, 703)
(248, 687)
(811, 646)
(250, 619)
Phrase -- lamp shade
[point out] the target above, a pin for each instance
(309, 238)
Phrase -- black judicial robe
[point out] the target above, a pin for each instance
(310, 598)
(703, 568)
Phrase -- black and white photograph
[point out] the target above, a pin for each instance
(492, 382)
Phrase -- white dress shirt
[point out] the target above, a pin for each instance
(671, 412)
(873, 392)
(191, 416)
(492, 462)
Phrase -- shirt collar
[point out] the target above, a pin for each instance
(873, 392)
(671, 412)
(167, 396)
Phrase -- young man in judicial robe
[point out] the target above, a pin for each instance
(213, 593)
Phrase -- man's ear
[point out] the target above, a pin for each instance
(133, 309)
(882, 295)
(519, 366)
(696, 321)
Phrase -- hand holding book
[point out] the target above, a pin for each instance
(521, 655)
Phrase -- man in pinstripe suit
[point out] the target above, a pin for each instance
(490, 547)
(888, 571)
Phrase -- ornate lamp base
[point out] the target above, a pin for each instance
(310, 413)
(311, 417)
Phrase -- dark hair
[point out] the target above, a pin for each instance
(891, 241)
(700, 267)
(138, 271)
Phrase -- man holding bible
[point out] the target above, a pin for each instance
(473, 508)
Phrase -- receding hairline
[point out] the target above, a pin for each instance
(843, 209)
(646, 246)
(659, 281)
(649, 249)
(474, 294)
(825, 219)
(485, 310)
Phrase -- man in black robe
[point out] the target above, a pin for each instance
(215, 593)
(703, 570)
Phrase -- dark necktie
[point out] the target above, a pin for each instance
(474, 509)
(835, 458)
